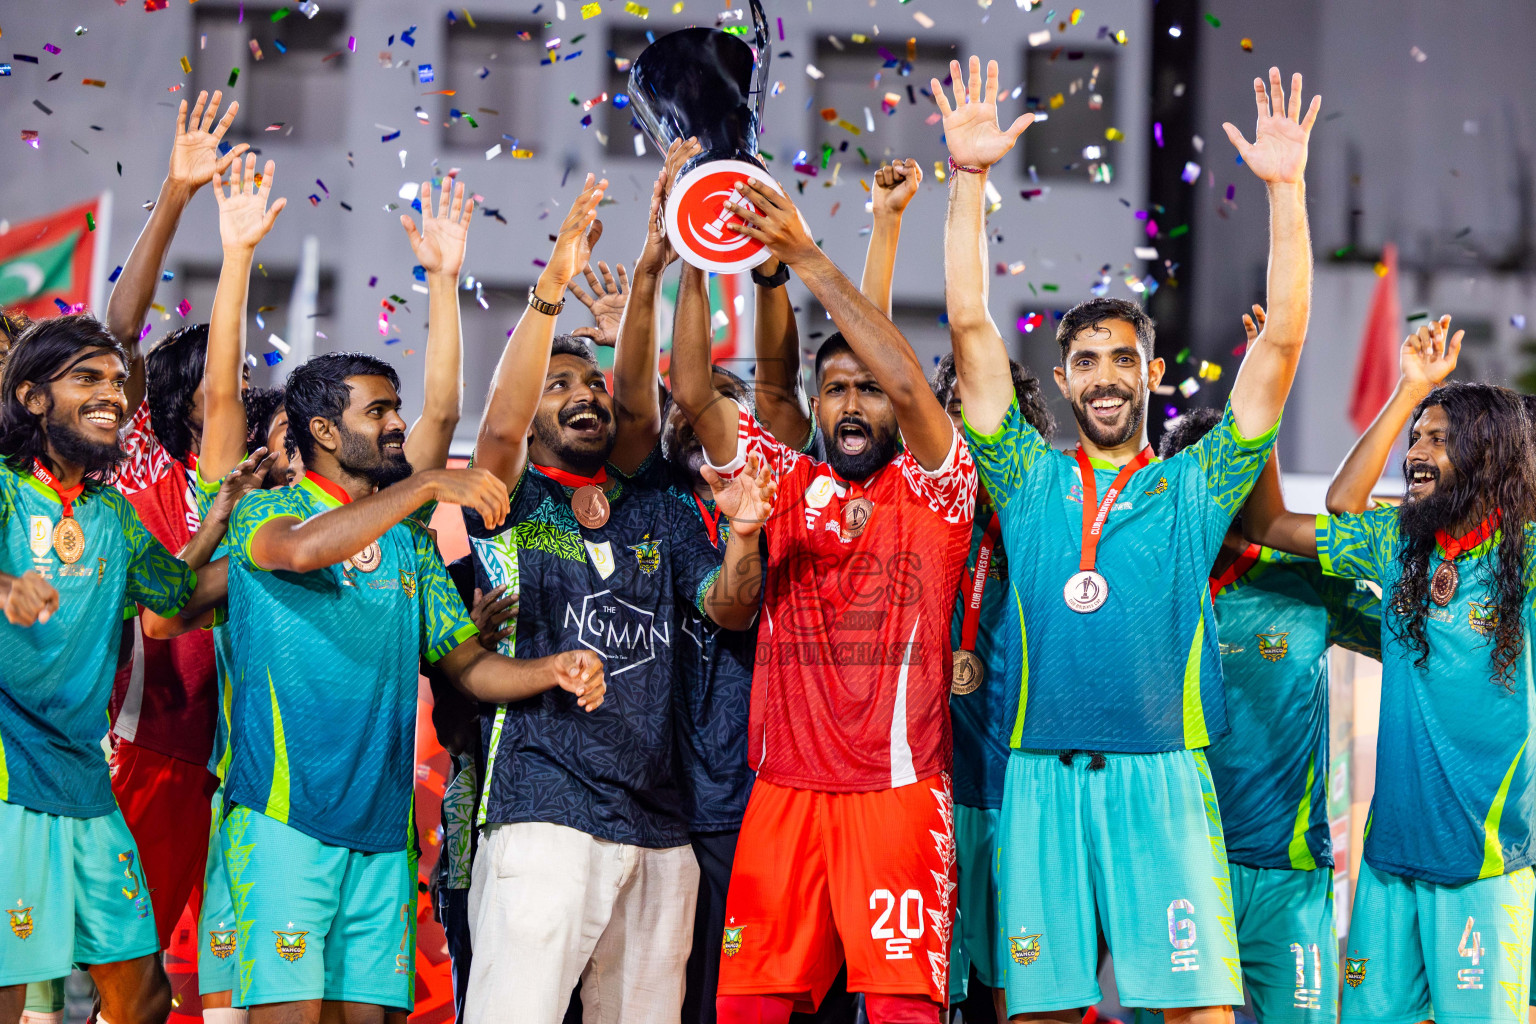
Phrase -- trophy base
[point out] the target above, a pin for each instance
(698, 224)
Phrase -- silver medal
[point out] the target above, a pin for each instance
(1085, 591)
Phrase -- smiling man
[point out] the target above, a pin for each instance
(1441, 925)
(1109, 823)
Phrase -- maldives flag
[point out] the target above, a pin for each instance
(56, 259)
(1380, 346)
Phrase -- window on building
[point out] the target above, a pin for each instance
(298, 82)
(1077, 89)
(271, 296)
(849, 96)
(498, 83)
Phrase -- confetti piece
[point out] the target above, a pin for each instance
(922, 19)
(639, 144)
(1114, 134)
(279, 14)
(1231, 192)
(184, 307)
(814, 72)
(1246, 44)
(638, 11)
(90, 222)
(1215, 23)
(276, 126)
(493, 152)
(1145, 252)
(167, 275)
(24, 57)
(81, 30)
(352, 44)
(1190, 385)
(1517, 321)
(273, 358)
(255, 49)
(1418, 55)
(390, 137)
(1040, 38)
(591, 10)
(309, 8)
(39, 105)
(5, 71)
(115, 275)
(424, 73)
(51, 49)
(234, 73)
(1191, 172)
(279, 344)
(97, 82)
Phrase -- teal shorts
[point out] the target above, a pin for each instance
(1134, 849)
(73, 892)
(1290, 950)
(317, 921)
(977, 934)
(1420, 951)
(217, 965)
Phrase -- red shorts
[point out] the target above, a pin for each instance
(166, 802)
(820, 877)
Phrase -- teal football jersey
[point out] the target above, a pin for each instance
(218, 762)
(1142, 673)
(981, 739)
(1455, 794)
(56, 676)
(324, 671)
(1276, 622)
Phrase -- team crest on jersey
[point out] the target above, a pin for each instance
(1483, 617)
(101, 570)
(731, 945)
(1354, 971)
(1273, 646)
(221, 944)
(290, 945)
(408, 583)
(21, 922)
(1162, 485)
(1025, 949)
(40, 537)
(647, 555)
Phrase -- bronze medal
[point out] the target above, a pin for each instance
(590, 505)
(1443, 584)
(367, 559)
(967, 675)
(68, 540)
(856, 516)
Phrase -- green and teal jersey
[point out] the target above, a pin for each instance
(1276, 622)
(1455, 794)
(324, 673)
(218, 762)
(56, 676)
(1143, 672)
(981, 747)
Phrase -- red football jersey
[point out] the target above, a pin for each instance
(851, 688)
(147, 460)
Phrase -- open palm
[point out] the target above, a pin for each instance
(1278, 152)
(195, 159)
(1429, 354)
(244, 218)
(970, 126)
(439, 245)
(747, 498)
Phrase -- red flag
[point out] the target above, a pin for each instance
(54, 260)
(1380, 345)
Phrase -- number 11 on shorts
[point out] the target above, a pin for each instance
(910, 920)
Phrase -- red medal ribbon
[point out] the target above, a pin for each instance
(1455, 547)
(1235, 571)
(1093, 522)
(711, 520)
(573, 480)
(330, 487)
(972, 621)
(67, 495)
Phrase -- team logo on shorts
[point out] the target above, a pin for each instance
(290, 945)
(1483, 617)
(647, 555)
(221, 944)
(1273, 646)
(21, 922)
(1025, 949)
(1354, 971)
(732, 943)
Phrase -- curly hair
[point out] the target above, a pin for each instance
(1185, 430)
(261, 406)
(173, 371)
(1488, 444)
(43, 354)
(1025, 386)
(1094, 313)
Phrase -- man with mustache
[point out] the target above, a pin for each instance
(585, 871)
(847, 844)
(1442, 911)
(1109, 822)
(73, 553)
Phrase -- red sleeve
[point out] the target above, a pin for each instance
(147, 460)
(949, 490)
(752, 439)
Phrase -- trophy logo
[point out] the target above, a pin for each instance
(708, 84)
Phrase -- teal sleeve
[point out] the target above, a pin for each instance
(1006, 454)
(204, 492)
(1354, 614)
(444, 623)
(157, 579)
(7, 481)
(1230, 462)
(253, 512)
(1360, 544)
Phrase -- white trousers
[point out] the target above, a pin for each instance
(550, 904)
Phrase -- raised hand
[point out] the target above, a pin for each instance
(195, 159)
(244, 218)
(1253, 324)
(606, 304)
(1278, 153)
(579, 232)
(30, 599)
(746, 499)
(658, 253)
(895, 185)
(1429, 354)
(439, 245)
(970, 126)
(495, 615)
(581, 673)
(768, 216)
(249, 475)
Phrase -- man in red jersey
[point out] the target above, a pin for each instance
(847, 847)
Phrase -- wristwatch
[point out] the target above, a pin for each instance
(547, 308)
(775, 280)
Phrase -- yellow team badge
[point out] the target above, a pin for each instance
(1273, 646)
(1483, 617)
(647, 555)
(732, 942)
(1162, 485)
(408, 583)
(290, 945)
(221, 944)
(21, 922)
(1025, 949)
(1354, 971)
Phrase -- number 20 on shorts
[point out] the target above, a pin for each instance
(909, 920)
